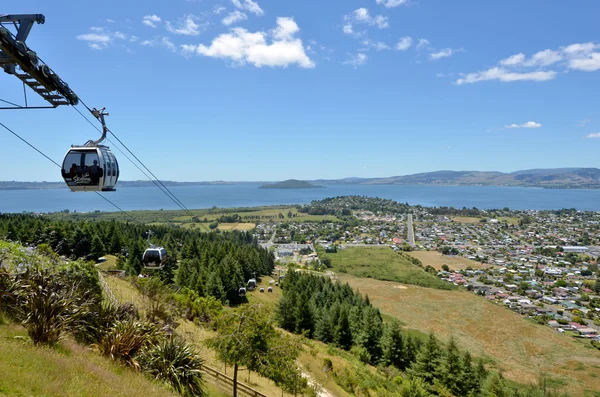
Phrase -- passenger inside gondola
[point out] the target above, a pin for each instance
(95, 173)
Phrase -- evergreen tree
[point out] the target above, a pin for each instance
(341, 333)
(495, 386)
(469, 380)
(97, 248)
(304, 316)
(428, 361)
(214, 287)
(451, 368)
(323, 328)
(371, 332)
(392, 346)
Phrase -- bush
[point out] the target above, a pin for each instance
(125, 339)
(46, 306)
(361, 353)
(327, 365)
(174, 362)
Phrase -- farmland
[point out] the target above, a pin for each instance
(382, 263)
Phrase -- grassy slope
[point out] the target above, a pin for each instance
(515, 345)
(436, 259)
(66, 370)
(382, 263)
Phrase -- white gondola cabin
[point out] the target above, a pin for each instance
(154, 258)
(90, 169)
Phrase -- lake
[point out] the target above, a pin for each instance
(248, 195)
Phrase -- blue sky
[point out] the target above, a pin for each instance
(275, 89)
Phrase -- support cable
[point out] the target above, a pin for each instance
(156, 181)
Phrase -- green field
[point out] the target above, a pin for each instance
(382, 263)
(250, 216)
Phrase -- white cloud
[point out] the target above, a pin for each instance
(579, 56)
(404, 44)
(361, 15)
(219, 9)
(348, 28)
(101, 38)
(242, 46)
(391, 3)
(529, 124)
(377, 45)
(593, 135)
(110, 20)
(234, 17)
(151, 20)
(446, 52)
(590, 63)
(248, 5)
(544, 58)
(356, 60)
(583, 123)
(513, 60)
(187, 26)
(501, 74)
(422, 43)
(160, 42)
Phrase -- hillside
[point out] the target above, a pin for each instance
(66, 370)
(289, 184)
(521, 349)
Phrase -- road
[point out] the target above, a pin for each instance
(411, 230)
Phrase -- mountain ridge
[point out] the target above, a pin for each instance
(550, 178)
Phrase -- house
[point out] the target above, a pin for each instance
(578, 250)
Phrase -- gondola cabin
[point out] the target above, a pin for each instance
(154, 258)
(242, 292)
(90, 169)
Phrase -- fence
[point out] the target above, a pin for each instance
(224, 380)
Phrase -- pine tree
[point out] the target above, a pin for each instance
(495, 386)
(323, 328)
(451, 368)
(304, 316)
(392, 346)
(341, 332)
(371, 332)
(428, 361)
(97, 248)
(469, 380)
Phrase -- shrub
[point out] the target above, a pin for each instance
(174, 362)
(46, 307)
(125, 339)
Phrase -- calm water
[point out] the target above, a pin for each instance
(246, 195)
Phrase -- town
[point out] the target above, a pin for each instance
(541, 264)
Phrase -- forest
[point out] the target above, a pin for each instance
(211, 264)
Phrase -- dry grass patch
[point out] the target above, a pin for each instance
(236, 226)
(515, 345)
(436, 259)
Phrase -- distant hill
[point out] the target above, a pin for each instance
(557, 178)
(289, 184)
(552, 178)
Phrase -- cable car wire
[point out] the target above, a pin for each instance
(54, 162)
(156, 181)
